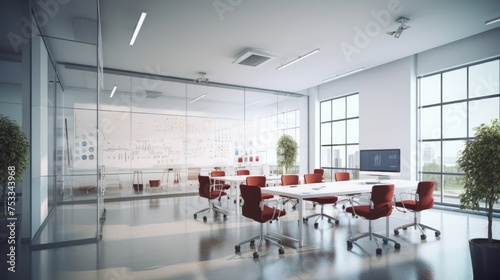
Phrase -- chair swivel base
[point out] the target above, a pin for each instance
(420, 226)
(321, 215)
(215, 209)
(385, 239)
(259, 238)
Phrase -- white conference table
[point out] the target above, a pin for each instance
(302, 191)
(236, 180)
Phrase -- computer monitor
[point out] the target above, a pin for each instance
(384, 163)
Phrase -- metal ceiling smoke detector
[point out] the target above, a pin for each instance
(400, 29)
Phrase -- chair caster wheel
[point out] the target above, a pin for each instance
(225, 216)
(385, 241)
(204, 218)
(405, 228)
(343, 207)
(195, 216)
(255, 255)
(294, 208)
(397, 246)
(396, 232)
(423, 237)
(252, 242)
(337, 222)
(237, 248)
(437, 233)
(305, 220)
(378, 251)
(329, 220)
(281, 251)
(349, 244)
(316, 225)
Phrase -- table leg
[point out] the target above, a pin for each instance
(301, 221)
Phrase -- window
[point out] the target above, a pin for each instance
(339, 135)
(451, 104)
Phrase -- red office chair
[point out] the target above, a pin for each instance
(290, 180)
(259, 181)
(380, 206)
(319, 171)
(345, 176)
(257, 209)
(217, 173)
(211, 192)
(423, 199)
(242, 172)
(318, 178)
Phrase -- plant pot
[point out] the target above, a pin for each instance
(484, 257)
(154, 183)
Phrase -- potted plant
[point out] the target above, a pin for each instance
(286, 152)
(14, 159)
(480, 162)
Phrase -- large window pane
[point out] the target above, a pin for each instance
(430, 90)
(326, 133)
(455, 120)
(482, 111)
(353, 131)
(453, 187)
(338, 156)
(338, 132)
(455, 85)
(431, 156)
(338, 108)
(451, 152)
(353, 156)
(484, 79)
(430, 125)
(326, 156)
(326, 111)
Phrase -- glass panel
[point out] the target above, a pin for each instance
(353, 106)
(326, 111)
(326, 156)
(453, 187)
(338, 108)
(430, 90)
(431, 156)
(482, 111)
(455, 85)
(338, 132)
(484, 79)
(353, 131)
(326, 133)
(353, 156)
(338, 157)
(451, 152)
(430, 125)
(455, 120)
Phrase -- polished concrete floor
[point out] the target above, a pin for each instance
(160, 239)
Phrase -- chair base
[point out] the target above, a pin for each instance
(274, 241)
(216, 209)
(294, 202)
(418, 225)
(321, 215)
(374, 236)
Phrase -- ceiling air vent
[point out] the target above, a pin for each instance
(253, 58)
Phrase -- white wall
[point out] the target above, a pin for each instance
(469, 50)
(386, 120)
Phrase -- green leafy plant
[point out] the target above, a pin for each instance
(286, 152)
(480, 161)
(14, 157)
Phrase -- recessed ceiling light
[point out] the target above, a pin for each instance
(491, 21)
(298, 59)
(138, 28)
(343, 74)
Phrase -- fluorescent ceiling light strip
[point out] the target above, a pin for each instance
(297, 59)
(252, 103)
(197, 98)
(491, 21)
(343, 74)
(113, 91)
(138, 27)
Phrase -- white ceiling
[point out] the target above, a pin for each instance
(180, 38)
